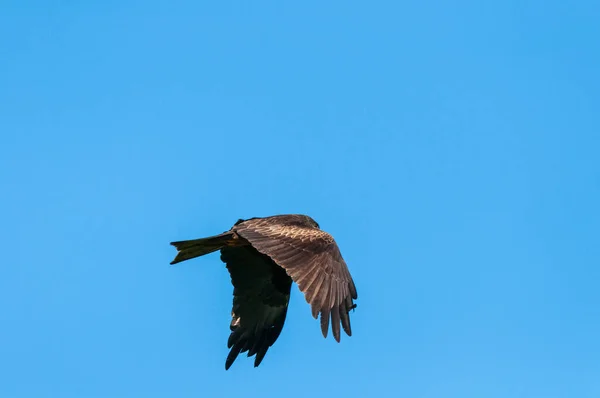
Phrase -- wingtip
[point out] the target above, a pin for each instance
(230, 359)
(325, 331)
(315, 314)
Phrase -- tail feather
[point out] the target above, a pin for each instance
(188, 249)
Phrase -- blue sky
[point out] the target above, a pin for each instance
(451, 149)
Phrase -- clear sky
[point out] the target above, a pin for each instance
(452, 149)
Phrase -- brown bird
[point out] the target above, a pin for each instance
(264, 255)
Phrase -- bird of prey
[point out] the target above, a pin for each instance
(264, 255)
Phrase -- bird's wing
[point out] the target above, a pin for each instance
(313, 260)
(261, 292)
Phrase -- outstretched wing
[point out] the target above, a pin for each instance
(313, 260)
(261, 292)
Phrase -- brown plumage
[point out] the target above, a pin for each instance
(264, 256)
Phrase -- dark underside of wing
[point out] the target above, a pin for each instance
(261, 291)
(313, 260)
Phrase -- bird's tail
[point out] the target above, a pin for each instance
(188, 249)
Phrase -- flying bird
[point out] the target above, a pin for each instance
(264, 255)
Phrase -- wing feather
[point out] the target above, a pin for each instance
(307, 276)
(325, 311)
(314, 295)
(335, 310)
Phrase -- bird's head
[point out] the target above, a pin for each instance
(310, 222)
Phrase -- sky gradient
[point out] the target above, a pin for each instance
(452, 149)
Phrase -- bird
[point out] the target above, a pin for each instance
(264, 256)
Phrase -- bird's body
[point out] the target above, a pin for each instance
(264, 256)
